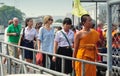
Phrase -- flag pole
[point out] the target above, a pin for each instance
(72, 14)
(96, 15)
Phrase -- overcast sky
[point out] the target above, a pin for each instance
(41, 7)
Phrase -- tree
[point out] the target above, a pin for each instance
(9, 12)
(59, 21)
(102, 13)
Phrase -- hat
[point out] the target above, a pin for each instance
(104, 27)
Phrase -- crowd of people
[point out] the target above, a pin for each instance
(43, 37)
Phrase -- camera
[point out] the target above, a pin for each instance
(17, 34)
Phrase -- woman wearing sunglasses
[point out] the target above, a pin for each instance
(46, 39)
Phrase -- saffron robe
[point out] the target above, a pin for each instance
(87, 51)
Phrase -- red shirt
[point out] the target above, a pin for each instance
(99, 30)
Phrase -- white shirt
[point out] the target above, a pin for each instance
(5, 40)
(5, 35)
(60, 38)
(30, 34)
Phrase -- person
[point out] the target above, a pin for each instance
(6, 37)
(116, 41)
(85, 47)
(46, 39)
(114, 29)
(13, 33)
(93, 26)
(29, 35)
(64, 47)
(37, 27)
(104, 31)
(104, 34)
(57, 29)
(102, 39)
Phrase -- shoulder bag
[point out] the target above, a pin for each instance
(66, 38)
(22, 39)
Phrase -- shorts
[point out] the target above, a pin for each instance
(12, 51)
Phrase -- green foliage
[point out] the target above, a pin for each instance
(102, 16)
(9, 12)
(102, 13)
(59, 21)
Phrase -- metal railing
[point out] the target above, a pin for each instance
(23, 64)
(47, 70)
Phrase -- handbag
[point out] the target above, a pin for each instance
(22, 38)
(39, 58)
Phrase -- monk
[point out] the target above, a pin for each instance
(85, 47)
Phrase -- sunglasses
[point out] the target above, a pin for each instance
(50, 19)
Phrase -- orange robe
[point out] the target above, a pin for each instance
(116, 40)
(114, 32)
(87, 51)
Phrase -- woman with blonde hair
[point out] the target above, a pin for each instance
(46, 39)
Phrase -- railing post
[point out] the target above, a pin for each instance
(9, 66)
(8, 61)
(19, 71)
(24, 68)
(109, 40)
(34, 59)
(63, 64)
(0, 47)
(23, 54)
(46, 62)
(15, 55)
(83, 68)
(1, 66)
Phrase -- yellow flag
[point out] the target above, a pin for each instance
(78, 10)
